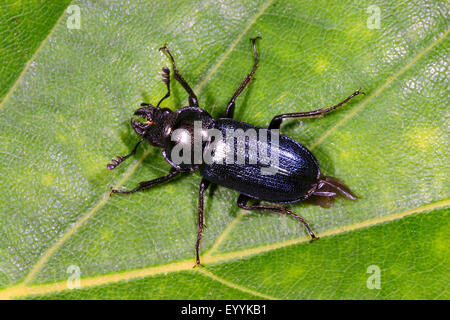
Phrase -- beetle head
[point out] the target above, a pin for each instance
(157, 126)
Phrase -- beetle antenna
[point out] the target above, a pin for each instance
(166, 79)
(120, 159)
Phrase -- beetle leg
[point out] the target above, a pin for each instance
(201, 218)
(120, 159)
(244, 83)
(276, 121)
(149, 184)
(243, 200)
(193, 101)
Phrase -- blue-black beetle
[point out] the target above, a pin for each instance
(297, 174)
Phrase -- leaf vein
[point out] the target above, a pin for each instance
(23, 290)
(33, 57)
(379, 90)
(236, 286)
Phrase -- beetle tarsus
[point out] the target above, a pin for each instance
(242, 203)
(276, 121)
(151, 183)
(359, 91)
(201, 218)
(303, 221)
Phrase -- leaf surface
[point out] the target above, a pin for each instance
(69, 112)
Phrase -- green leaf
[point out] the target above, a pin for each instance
(23, 27)
(66, 112)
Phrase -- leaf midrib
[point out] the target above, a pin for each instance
(22, 290)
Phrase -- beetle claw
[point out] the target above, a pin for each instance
(360, 92)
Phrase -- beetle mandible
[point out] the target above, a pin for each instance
(297, 177)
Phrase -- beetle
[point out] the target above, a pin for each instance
(297, 176)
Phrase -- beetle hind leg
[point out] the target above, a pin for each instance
(242, 203)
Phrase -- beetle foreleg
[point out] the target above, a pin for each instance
(201, 218)
(276, 121)
(149, 184)
(243, 200)
(193, 101)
